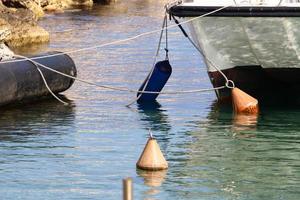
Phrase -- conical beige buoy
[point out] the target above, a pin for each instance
(152, 158)
(243, 102)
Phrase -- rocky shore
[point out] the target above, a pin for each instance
(20, 17)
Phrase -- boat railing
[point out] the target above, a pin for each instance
(273, 3)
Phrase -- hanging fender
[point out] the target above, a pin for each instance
(155, 81)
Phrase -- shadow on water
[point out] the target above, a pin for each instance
(37, 118)
(154, 117)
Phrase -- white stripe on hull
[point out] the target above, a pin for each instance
(272, 42)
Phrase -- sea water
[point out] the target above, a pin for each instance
(84, 150)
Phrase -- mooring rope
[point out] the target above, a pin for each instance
(43, 77)
(153, 65)
(122, 89)
(119, 41)
(229, 83)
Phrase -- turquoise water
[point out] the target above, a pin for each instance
(84, 150)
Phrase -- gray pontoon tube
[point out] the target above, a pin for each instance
(21, 81)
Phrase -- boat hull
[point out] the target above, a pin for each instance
(259, 54)
(273, 86)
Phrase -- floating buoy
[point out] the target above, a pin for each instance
(155, 81)
(152, 158)
(243, 102)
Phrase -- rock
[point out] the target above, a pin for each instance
(3, 34)
(28, 4)
(83, 2)
(53, 8)
(65, 4)
(5, 52)
(105, 1)
(22, 24)
(20, 17)
(21, 36)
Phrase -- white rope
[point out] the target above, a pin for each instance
(48, 88)
(122, 89)
(122, 40)
(43, 78)
(153, 65)
(229, 83)
(32, 60)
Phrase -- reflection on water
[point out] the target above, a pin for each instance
(152, 179)
(242, 123)
(110, 9)
(39, 113)
(154, 117)
(30, 50)
(261, 161)
(32, 118)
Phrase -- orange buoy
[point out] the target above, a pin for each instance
(152, 158)
(243, 102)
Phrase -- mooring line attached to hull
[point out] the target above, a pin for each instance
(119, 41)
(122, 89)
(229, 83)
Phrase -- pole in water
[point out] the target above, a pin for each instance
(127, 189)
(243, 102)
(152, 158)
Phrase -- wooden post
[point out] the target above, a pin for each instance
(127, 189)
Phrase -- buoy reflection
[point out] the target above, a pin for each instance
(244, 122)
(153, 178)
(154, 117)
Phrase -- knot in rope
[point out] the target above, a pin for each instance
(230, 84)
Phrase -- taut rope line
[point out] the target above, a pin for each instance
(123, 89)
(228, 82)
(120, 41)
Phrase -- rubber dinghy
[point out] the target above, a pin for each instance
(21, 81)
